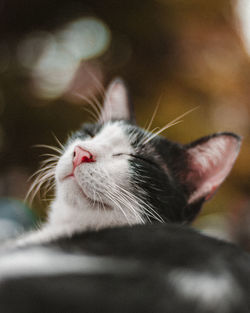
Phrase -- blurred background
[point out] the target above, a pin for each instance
(180, 53)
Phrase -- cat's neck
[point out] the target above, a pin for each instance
(62, 213)
(65, 220)
(85, 216)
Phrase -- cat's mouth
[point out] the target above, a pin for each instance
(68, 176)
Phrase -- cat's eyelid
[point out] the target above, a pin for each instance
(149, 161)
(90, 134)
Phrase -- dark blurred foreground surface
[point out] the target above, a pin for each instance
(143, 269)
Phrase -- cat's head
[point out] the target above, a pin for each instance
(123, 174)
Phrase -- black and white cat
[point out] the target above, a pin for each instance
(114, 173)
(95, 253)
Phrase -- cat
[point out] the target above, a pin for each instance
(116, 238)
(114, 173)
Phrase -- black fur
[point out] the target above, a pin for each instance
(141, 283)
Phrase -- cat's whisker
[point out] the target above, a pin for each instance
(98, 104)
(44, 175)
(117, 204)
(56, 149)
(97, 82)
(32, 192)
(93, 116)
(147, 135)
(48, 187)
(127, 204)
(147, 128)
(47, 176)
(56, 157)
(43, 178)
(145, 208)
(95, 201)
(95, 113)
(100, 201)
(59, 142)
(131, 196)
(41, 170)
(123, 197)
(92, 113)
(150, 212)
(170, 124)
(130, 199)
(50, 159)
(118, 198)
(51, 163)
(45, 199)
(160, 131)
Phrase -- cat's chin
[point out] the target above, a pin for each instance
(72, 187)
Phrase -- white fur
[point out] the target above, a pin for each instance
(40, 261)
(214, 291)
(99, 194)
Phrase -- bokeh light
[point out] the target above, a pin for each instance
(84, 38)
(243, 11)
(54, 58)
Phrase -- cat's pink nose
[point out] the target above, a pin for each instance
(81, 156)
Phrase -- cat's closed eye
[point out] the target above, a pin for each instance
(89, 133)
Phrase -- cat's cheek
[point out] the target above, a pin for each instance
(64, 169)
(118, 170)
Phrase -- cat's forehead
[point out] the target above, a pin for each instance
(107, 130)
(111, 136)
(112, 129)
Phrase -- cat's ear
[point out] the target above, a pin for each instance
(209, 161)
(116, 103)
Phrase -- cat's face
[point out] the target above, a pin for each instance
(95, 166)
(128, 175)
